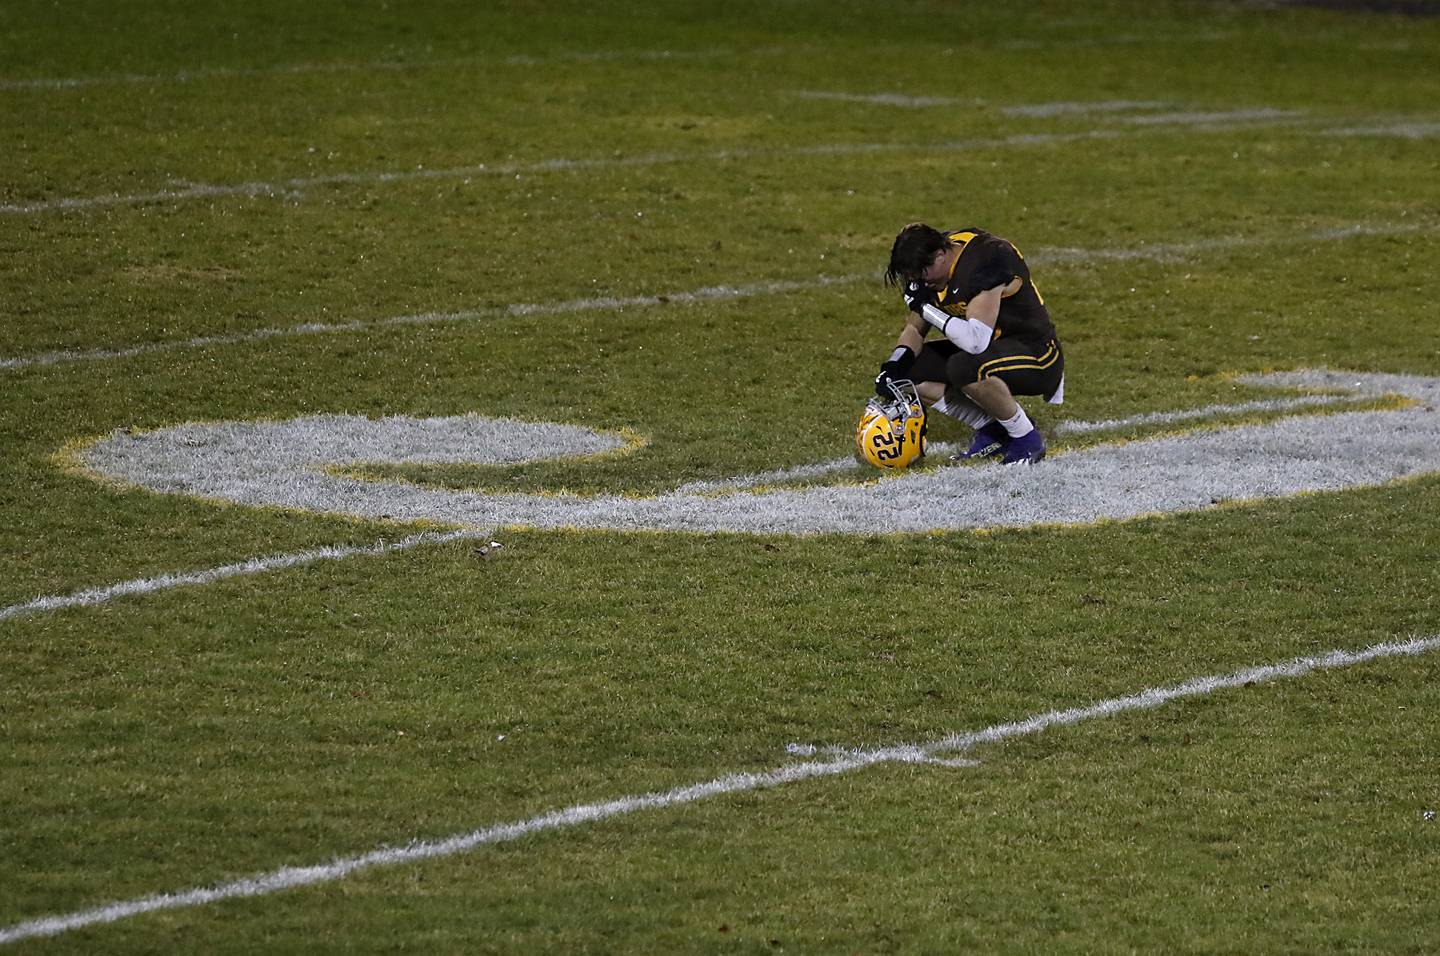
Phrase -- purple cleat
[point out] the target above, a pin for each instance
(989, 440)
(1027, 449)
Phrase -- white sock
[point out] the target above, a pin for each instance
(963, 410)
(1018, 424)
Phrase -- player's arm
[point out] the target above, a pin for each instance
(907, 346)
(897, 366)
(912, 336)
(970, 332)
(999, 275)
(985, 307)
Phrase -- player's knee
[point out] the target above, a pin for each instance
(930, 392)
(961, 370)
(989, 387)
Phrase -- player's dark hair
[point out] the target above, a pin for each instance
(913, 252)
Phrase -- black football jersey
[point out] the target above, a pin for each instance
(987, 261)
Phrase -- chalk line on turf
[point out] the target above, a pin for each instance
(437, 442)
(1155, 252)
(295, 186)
(291, 464)
(834, 764)
(90, 597)
(198, 74)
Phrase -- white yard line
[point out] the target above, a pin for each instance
(291, 877)
(1162, 251)
(900, 100)
(1158, 252)
(1207, 119)
(1209, 411)
(199, 74)
(92, 596)
(1403, 130)
(290, 188)
(944, 449)
(294, 186)
(572, 306)
(1081, 108)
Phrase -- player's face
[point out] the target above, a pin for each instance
(936, 272)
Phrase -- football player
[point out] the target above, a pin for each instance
(997, 340)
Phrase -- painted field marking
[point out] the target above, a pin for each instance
(1080, 108)
(519, 310)
(900, 100)
(1175, 251)
(1209, 411)
(1156, 252)
(1027, 110)
(90, 597)
(198, 74)
(1207, 119)
(292, 877)
(93, 596)
(942, 449)
(297, 464)
(1403, 130)
(293, 187)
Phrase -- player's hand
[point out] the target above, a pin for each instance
(895, 369)
(918, 295)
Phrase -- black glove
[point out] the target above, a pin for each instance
(895, 369)
(917, 296)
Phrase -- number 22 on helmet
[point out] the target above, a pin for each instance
(891, 431)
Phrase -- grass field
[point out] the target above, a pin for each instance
(667, 221)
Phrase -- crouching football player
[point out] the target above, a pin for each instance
(997, 340)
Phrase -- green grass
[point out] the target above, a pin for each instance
(202, 734)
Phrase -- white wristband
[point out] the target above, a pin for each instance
(935, 315)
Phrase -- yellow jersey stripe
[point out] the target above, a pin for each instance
(1011, 363)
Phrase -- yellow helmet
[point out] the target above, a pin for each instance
(891, 432)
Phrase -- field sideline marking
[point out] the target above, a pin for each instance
(92, 596)
(1046, 256)
(292, 877)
